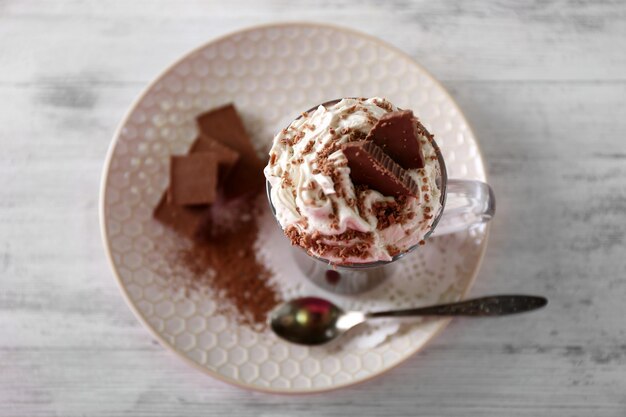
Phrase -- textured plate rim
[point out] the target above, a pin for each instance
(440, 325)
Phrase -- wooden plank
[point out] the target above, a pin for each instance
(133, 41)
(439, 382)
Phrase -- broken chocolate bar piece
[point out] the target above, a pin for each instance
(193, 179)
(189, 221)
(226, 157)
(371, 167)
(224, 125)
(396, 134)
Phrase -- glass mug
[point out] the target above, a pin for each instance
(463, 203)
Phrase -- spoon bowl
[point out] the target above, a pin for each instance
(309, 321)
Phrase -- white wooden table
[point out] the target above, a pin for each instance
(544, 87)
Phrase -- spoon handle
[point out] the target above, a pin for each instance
(496, 305)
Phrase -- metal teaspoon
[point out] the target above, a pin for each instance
(315, 321)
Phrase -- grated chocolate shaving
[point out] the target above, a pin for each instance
(383, 104)
(356, 135)
(308, 148)
(393, 250)
(314, 243)
(297, 138)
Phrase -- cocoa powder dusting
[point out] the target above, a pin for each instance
(239, 278)
(225, 262)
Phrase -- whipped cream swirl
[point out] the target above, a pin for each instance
(320, 208)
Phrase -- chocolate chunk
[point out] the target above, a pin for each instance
(223, 138)
(396, 134)
(226, 157)
(189, 221)
(193, 179)
(371, 167)
(224, 125)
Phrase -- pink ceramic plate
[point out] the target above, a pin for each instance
(271, 73)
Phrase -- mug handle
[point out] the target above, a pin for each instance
(468, 202)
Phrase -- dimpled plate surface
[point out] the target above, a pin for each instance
(272, 73)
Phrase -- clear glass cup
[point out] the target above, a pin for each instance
(463, 203)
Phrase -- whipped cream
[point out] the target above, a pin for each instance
(320, 208)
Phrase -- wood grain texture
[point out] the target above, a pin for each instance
(542, 83)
